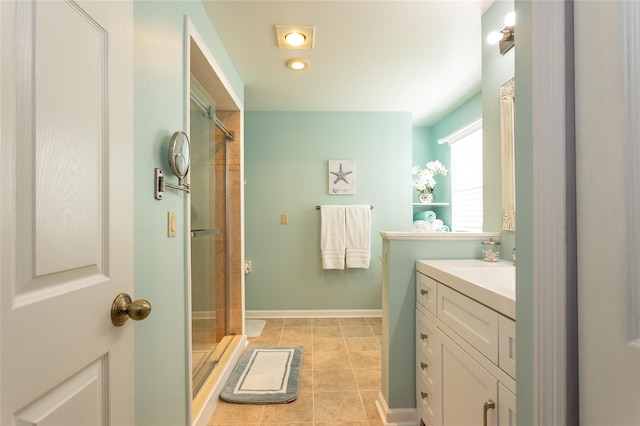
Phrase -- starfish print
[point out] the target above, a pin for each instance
(340, 175)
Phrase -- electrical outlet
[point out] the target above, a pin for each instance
(284, 218)
(247, 267)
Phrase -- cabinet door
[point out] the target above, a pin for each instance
(506, 406)
(466, 387)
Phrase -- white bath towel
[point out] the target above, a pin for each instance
(358, 229)
(332, 237)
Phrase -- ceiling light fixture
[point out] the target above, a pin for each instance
(297, 64)
(506, 37)
(295, 36)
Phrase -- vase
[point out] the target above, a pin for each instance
(426, 197)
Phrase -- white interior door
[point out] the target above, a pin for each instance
(607, 75)
(66, 212)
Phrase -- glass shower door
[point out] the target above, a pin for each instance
(208, 242)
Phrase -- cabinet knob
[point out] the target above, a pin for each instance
(423, 292)
(423, 395)
(423, 336)
(423, 365)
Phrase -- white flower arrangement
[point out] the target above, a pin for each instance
(424, 179)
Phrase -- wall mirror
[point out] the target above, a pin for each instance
(179, 155)
(507, 120)
(179, 159)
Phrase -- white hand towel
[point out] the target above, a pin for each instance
(358, 229)
(332, 237)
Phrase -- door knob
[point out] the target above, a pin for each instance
(123, 308)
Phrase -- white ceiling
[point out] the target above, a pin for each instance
(417, 56)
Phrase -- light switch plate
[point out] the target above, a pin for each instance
(171, 224)
(284, 218)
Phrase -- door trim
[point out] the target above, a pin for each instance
(631, 83)
(549, 266)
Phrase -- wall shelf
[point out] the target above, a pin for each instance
(430, 204)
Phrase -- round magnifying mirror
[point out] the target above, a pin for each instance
(179, 148)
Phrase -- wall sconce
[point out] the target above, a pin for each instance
(506, 37)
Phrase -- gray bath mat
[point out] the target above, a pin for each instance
(265, 375)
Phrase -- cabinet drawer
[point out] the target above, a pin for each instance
(426, 292)
(473, 321)
(507, 345)
(426, 336)
(426, 373)
(426, 406)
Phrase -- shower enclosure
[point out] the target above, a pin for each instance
(210, 258)
(215, 249)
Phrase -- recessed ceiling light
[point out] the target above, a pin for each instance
(295, 38)
(297, 64)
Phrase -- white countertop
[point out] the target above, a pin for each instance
(491, 283)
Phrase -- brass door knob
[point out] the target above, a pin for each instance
(123, 308)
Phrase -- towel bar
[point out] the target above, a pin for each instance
(318, 207)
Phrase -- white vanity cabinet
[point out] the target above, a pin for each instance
(465, 358)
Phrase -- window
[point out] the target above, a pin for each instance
(466, 178)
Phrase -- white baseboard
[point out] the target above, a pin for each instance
(331, 313)
(395, 416)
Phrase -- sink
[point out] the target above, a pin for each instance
(502, 276)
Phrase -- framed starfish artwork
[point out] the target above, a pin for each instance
(342, 177)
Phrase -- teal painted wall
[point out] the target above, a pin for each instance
(422, 148)
(160, 262)
(524, 215)
(496, 70)
(467, 113)
(286, 157)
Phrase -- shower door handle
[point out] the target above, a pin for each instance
(204, 232)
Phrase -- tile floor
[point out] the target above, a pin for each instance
(340, 377)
